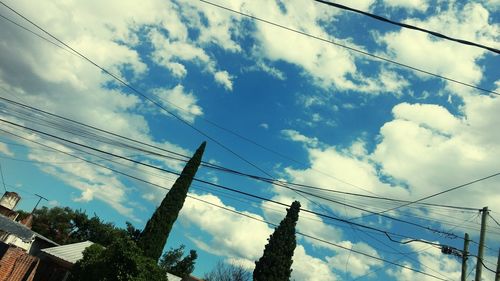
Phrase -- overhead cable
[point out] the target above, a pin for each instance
(184, 158)
(441, 192)
(234, 211)
(417, 69)
(409, 26)
(153, 101)
(449, 235)
(385, 232)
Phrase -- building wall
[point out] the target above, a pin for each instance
(17, 265)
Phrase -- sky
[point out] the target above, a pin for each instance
(269, 102)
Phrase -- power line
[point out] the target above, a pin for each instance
(228, 209)
(450, 235)
(127, 85)
(213, 166)
(441, 192)
(324, 241)
(387, 233)
(494, 219)
(276, 183)
(352, 48)
(216, 185)
(3, 180)
(404, 25)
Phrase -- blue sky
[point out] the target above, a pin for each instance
(345, 121)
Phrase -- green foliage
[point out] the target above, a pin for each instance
(66, 226)
(275, 264)
(120, 261)
(155, 234)
(173, 262)
(228, 272)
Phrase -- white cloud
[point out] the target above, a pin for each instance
(4, 149)
(242, 239)
(420, 5)
(224, 79)
(59, 82)
(418, 49)
(459, 149)
(264, 126)
(355, 264)
(306, 267)
(231, 235)
(435, 264)
(182, 103)
(298, 137)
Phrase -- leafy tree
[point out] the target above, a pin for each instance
(122, 260)
(157, 229)
(275, 264)
(173, 262)
(66, 226)
(228, 272)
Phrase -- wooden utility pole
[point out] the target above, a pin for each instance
(480, 250)
(465, 257)
(497, 275)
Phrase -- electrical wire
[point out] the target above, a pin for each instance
(37, 120)
(325, 216)
(228, 209)
(448, 235)
(153, 101)
(351, 48)
(409, 26)
(493, 219)
(441, 192)
(3, 180)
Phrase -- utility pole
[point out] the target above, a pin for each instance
(40, 197)
(480, 250)
(465, 257)
(497, 275)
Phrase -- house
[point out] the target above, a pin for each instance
(18, 243)
(13, 233)
(56, 262)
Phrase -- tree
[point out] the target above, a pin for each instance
(228, 272)
(66, 226)
(275, 264)
(155, 234)
(122, 260)
(173, 262)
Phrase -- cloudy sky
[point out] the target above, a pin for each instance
(269, 102)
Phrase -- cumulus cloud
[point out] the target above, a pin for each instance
(180, 102)
(4, 149)
(472, 22)
(435, 262)
(243, 239)
(298, 137)
(419, 5)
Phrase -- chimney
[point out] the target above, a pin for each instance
(9, 200)
(28, 221)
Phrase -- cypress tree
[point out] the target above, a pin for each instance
(155, 234)
(275, 264)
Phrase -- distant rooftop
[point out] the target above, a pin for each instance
(70, 253)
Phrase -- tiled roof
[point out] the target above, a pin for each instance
(70, 253)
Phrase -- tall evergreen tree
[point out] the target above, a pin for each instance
(155, 233)
(275, 264)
